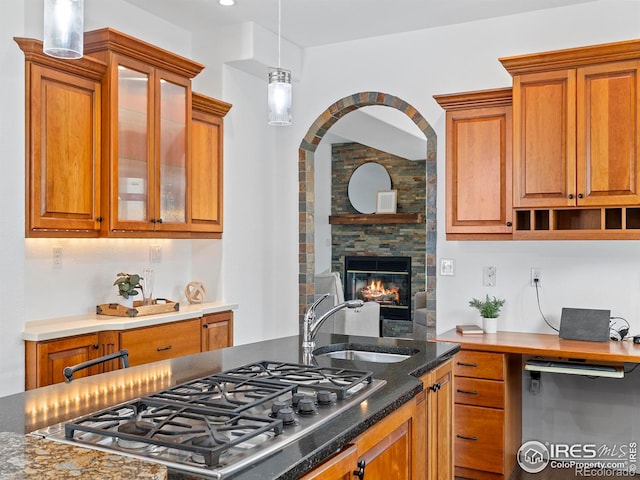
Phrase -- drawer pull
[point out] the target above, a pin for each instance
(474, 365)
(162, 349)
(467, 392)
(474, 438)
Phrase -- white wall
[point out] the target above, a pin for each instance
(597, 274)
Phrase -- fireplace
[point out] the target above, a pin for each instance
(386, 280)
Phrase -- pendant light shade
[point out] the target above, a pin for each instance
(63, 28)
(279, 97)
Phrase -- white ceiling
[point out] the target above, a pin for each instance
(310, 23)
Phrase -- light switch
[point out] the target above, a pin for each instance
(447, 267)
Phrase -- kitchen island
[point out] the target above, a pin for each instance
(35, 409)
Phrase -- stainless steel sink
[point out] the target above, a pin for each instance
(365, 354)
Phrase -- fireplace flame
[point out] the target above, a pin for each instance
(377, 292)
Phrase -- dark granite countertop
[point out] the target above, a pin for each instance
(34, 409)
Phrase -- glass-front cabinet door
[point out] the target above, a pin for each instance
(152, 149)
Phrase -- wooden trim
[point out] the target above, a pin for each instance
(209, 105)
(115, 41)
(496, 97)
(572, 57)
(376, 219)
(87, 67)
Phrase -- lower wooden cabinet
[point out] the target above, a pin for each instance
(161, 342)
(45, 360)
(392, 449)
(488, 425)
(217, 331)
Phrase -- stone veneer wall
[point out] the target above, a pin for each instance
(306, 152)
(409, 178)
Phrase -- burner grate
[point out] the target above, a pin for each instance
(338, 380)
(174, 426)
(230, 393)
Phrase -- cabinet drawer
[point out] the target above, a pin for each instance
(161, 342)
(479, 365)
(479, 392)
(479, 438)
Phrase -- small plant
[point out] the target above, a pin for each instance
(488, 308)
(127, 284)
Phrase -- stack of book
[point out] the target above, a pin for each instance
(469, 329)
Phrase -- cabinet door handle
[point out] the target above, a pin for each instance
(159, 220)
(580, 195)
(570, 196)
(96, 346)
(99, 219)
(509, 224)
(162, 349)
(153, 220)
(360, 472)
(467, 392)
(474, 365)
(473, 439)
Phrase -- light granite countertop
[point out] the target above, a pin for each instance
(29, 457)
(52, 328)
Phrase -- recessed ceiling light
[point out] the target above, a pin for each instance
(227, 3)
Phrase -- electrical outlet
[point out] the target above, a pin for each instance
(489, 276)
(155, 254)
(56, 256)
(536, 274)
(447, 267)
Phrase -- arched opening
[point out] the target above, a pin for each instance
(306, 251)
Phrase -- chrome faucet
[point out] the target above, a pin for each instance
(311, 325)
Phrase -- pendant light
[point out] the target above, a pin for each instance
(279, 95)
(63, 28)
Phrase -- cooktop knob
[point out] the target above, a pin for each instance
(306, 406)
(286, 415)
(277, 406)
(296, 398)
(325, 397)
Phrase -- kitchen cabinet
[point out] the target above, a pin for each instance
(439, 389)
(576, 127)
(63, 137)
(161, 342)
(478, 164)
(147, 126)
(393, 448)
(217, 331)
(45, 361)
(487, 414)
(205, 174)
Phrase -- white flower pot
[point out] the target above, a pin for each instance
(489, 325)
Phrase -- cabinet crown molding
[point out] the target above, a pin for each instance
(210, 105)
(85, 66)
(496, 97)
(572, 57)
(118, 42)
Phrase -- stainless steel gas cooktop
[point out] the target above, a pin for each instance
(217, 425)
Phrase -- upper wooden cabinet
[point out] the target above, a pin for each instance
(147, 126)
(575, 132)
(63, 158)
(478, 164)
(118, 145)
(205, 175)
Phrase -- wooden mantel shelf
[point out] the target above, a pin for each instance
(379, 218)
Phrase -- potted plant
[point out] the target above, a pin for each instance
(489, 309)
(127, 284)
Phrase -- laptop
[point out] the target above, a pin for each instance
(585, 324)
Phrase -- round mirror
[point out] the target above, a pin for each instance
(364, 184)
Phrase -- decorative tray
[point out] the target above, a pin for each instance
(159, 305)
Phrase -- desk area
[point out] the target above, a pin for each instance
(488, 391)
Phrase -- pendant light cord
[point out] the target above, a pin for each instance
(279, 28)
